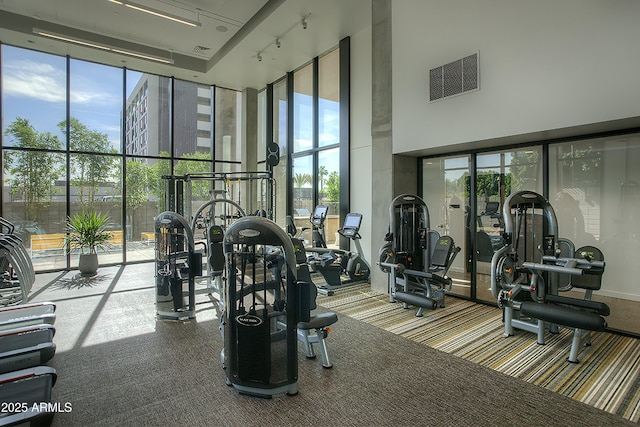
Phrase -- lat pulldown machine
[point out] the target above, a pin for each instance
(528, 273)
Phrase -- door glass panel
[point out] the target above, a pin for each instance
(445, 191)
(498, 175)
(594, 187)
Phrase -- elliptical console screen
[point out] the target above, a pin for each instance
(319, 214)
(351, 224)
(352, 221)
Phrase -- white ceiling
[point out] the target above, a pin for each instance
(222, 51)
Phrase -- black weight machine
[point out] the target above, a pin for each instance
(536, 265)
(416, 258)
(177, 265)
(198, 251)
(263, 303)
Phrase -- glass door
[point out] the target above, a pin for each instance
(445, 190)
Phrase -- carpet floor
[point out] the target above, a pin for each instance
(118, 366)
(607, 377)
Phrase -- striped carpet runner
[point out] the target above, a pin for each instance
(607, 377)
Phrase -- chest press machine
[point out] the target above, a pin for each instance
(535, 265)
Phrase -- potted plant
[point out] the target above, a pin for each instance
(87, 231)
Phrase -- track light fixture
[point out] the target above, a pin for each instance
(157, 12)
(278, 40)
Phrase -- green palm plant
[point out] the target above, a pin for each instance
(87, 231)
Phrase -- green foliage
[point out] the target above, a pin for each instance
(322, 173)
(87, 231)
(581, 167)
(524, 170)
(157, 170)
(299, 180)
(186, 166)
(32, 174)
(137, 183)
(88, 170)
(333, 187)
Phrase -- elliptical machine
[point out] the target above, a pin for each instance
(334, 263)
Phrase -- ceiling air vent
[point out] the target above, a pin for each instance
(454, 78)
(201, 49)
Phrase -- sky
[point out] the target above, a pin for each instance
(34, 88)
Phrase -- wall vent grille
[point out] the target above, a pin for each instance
(454, 78)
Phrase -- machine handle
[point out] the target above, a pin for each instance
(553, 268)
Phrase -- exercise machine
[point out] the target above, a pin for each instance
(27, 315)
(26, 396)
(25, 347)
(333, 264)
(318, 233)
(214, 225)
(317, 328)
(535, 265)
(26, 334)
(231, 195)
(416, 258)
(17, 274)
(263, 303)
(177, 265)
(256, 191)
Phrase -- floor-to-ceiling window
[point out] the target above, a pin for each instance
(147, 149)
(303, 141)
(280, 125)
(316, 142)
(34, 193)
(81, 136)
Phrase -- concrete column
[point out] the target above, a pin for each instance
(249, 153)
(405, 175)
(381, 133)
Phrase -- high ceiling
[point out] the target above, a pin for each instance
(223, 49)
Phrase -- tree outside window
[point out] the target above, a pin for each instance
(32, 174)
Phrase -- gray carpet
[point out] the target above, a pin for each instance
(117, 366)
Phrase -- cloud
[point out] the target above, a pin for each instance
(45, 82)
(34, 80)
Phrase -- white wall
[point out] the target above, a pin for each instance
(544, 64)
(360, 166)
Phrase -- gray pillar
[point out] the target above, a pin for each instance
(381, 135)
(405, 175)
(249, 153)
